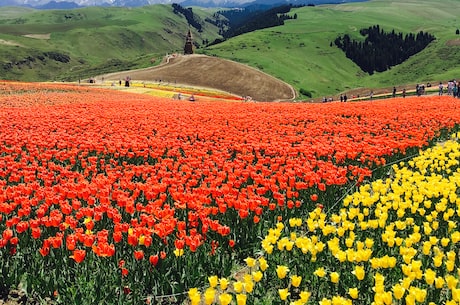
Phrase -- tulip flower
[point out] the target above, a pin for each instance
(281, 271)
(334, 277)
(359, 272)
(225, 299)
(353, 292)
(320, 272)
(241, 299)
(213, 281)
(209, 296)
(223, 283)
(295, 280)
(283, 293)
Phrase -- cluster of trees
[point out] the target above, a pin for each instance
(244, 20)
(192, 20)
(380, 50)
(235, 22)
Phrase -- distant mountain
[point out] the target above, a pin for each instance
(58, 4)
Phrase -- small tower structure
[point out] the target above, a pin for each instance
(188, 48)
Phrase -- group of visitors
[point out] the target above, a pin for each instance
(343, 98)
(452, 88)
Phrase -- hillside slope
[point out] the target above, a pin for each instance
(302, 52)
(212, 72)
(70, 44)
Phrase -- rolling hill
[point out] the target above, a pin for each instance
(91, 41)
(302, 53)
(212, 72)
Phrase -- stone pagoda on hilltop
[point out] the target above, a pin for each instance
(188, 48)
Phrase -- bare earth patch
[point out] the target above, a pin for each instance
(453, 42)
(39, 36)
(10, 43)
(212, 72)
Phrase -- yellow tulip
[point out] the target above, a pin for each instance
(375, 263)
(451, 281)
(241, 299)
(295, 280)
(267, 246)
(320, 272)
(456, 295)
(281, 271)
(178, 252)
(349, 242)
(283, 293)
(359, 272)
(389, 261)
(426, 248)
(334, 277)
(353, 292)
(437, 260)
(410, 299)
(257, 276)
(250, 262)
(341, 256)
(450, 265)
(369, 243)
(420, 294)
(223, 282)
(209, 295)
(433, 240)
(455, 236)
(195, 299)
(398, 291)
(304, 296)
(248, 286)
(238, 286)
(194, 296)
(338, 300)
(247, 278)
(225, 298)
(430, 276)
(445, 241)
(387, 297)
(439, 282)
(263, 265)
(213, 281)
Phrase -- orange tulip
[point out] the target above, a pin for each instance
(78, 255)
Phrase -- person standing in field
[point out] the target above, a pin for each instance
(394, 91)
(404, 92)
(441, 87)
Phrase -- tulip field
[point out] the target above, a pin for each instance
(109, 197)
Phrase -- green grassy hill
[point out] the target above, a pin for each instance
(300, 53)
(95, 40)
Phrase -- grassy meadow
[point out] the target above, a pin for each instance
(97, 40)
(300, 53)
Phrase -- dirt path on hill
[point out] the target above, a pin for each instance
(211, 72)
